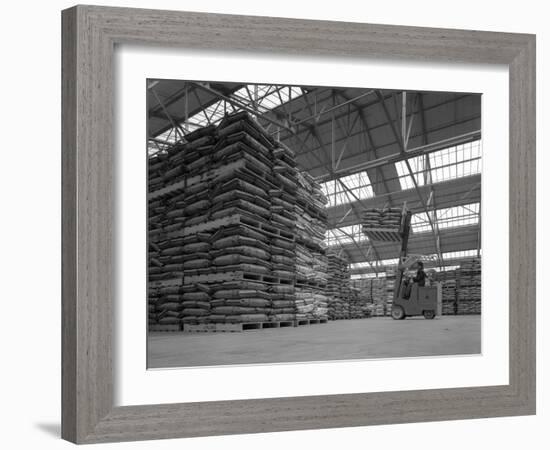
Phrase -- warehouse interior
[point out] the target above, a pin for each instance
(350, 150)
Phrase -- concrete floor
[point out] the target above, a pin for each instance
(379, 337)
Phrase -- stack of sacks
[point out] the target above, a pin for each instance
(364, 289)
(308, 190)
(448, 288)
(168, 168)
(310, 229)
(246, 215)
(338, 287)
(379, 296)
(195, 302)
(371, 218)
(390, 284)
(311, 226)
(165, 215)
(469, 287)
(358, 304)
(311, 266)
(311, 261)
(239, 301)
(310, 304)
(170, 253)
(447, 279)
(304, 264)
(320, 269)
(164, 306)
(283, 302)
(222, 209)
(389, 218)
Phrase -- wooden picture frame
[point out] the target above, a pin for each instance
(90, 34)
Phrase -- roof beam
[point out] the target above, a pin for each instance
(403, 150)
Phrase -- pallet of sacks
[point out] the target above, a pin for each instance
(390, 285)
(231, 302)
(311, 226)
(448, 288)
(381, 218)
(223, 221)
(164, 308)
(359, 307)
(379, 296)
(469, 287)
(310, 304)
(338, 287)
(311, 262)
(253, 240)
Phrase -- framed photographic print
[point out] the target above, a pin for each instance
(267, 229)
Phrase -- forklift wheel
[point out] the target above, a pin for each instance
(429, 314)
(397, 313)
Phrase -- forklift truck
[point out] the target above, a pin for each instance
(409, 299)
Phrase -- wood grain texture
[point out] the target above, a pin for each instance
(68, 226)
(89, 36)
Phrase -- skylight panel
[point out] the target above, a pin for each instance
(418, 165)
(420, 223)
(357, 186)
(455, 216)
(459, 254)
(367, 275)
(450, 163)
(367, 264)
(344, 235)
(387, 262)
(360, 265)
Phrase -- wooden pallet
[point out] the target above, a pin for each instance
(211, 175)
(250, 220)
(309, 284)
(234, 275)
(167, 282)
(383, 234)
(172, 328)
(300, 322)
(234, 327)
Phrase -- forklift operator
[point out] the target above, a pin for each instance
(420, 277)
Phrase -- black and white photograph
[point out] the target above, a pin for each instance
(311, 223)
(266, 224)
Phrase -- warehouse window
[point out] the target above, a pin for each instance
(357, 186)
(362, 276)
(447, 164)
(418, 168)
(344, 235)
(387, 262)
(456, 216)
(361, 265)
(460, 254)
(381, 263)
(420, 222)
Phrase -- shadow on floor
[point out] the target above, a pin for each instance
(53, 429)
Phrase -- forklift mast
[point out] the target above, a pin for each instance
(404, 232)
